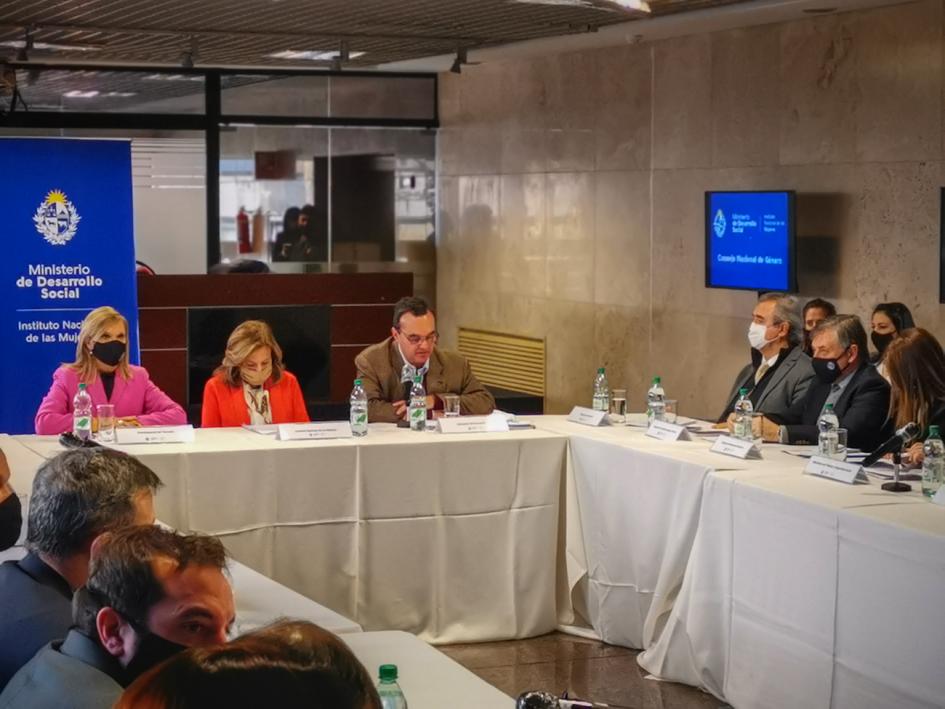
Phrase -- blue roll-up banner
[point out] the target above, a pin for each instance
(68, 247)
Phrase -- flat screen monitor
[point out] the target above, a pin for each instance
(750, 241)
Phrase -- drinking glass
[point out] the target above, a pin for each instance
(670, 410)
(841, 452)
(106, 423)
(618, 406)
(450, 404)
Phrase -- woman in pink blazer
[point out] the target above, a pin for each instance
(101, 362)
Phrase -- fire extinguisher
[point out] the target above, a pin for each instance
(242, 232)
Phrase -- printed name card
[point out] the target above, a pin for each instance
(735, 447)
(155, 434)
(473, 424)
(939, 497)
(838, 470)
(588, 417)
(313, 431)
(664, 431)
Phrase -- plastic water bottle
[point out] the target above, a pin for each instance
(82, 414)
(828, 423)
(933, 465)
(744, 410)
(392, 697)
(601, 391)
(417, 409)
(655, 402)
(359, 408)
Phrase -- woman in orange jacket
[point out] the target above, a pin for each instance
(252, 386)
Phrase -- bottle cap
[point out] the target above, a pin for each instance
(933, 431)
(417, 379)
(743, 392)
(388, 673)
(81, 386)
(828, 407)
(357, 382)
(656, 380)
(600, 370)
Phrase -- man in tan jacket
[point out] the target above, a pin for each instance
(387, 368)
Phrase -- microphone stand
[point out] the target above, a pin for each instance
(895, 485)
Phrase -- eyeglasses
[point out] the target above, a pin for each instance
(415, 340)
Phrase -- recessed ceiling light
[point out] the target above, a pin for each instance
(173, 77)
(50, 46)
(76, 93)
(313, 55)
(639, 5)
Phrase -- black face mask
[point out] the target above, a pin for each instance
(881, 340)
(152, 651)
(109, 353)
(827, 370)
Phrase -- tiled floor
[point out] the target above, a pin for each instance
(586, 668)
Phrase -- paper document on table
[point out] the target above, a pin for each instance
(884, 469)
(264, 429)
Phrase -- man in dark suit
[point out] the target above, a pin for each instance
(845, 379)
(76, 496)
(151, 593)
(780, 372)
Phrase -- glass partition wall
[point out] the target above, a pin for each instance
(305, 172)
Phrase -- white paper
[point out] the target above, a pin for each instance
(838, 470)
(473, 424)
(314, 431)
(735, 447)
(154, 434)
(588, 417)
(665, 431)
(263, 429)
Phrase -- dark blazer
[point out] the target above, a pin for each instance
(379, 367)
(11, 521)
(784, 387)
(863, 409)
(75, 673)
(35, 608)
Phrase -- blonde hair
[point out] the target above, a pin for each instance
(244, 340)
(92, 328)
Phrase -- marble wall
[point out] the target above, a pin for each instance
(571, 190)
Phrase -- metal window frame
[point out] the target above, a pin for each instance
(212, 118)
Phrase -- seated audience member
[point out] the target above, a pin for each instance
(150, 594)
(815, 312)
(780, 372)
(76, 496)
(11, 515)
(845, 379)
(387, 369)
(252, 386)
(290, 665)
(916, 367)
(887, 323)
(101, 363)
(286, 238)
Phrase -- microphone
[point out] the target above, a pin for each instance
(900, 438)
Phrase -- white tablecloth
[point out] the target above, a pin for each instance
(453, 537)
(428, 678)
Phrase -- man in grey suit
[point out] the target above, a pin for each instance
(151, 592)
(780, 372)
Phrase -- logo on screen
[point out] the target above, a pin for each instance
(719, 224)
(56, 218)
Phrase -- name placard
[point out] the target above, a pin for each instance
(154, 434)
(939, 497)
(665, 431)
(838, 470)
(313, 431)
(735, 447)
(472, 424)
(588, 417)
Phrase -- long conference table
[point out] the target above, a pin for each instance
(762, 585)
